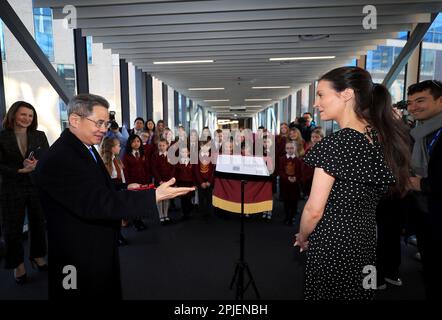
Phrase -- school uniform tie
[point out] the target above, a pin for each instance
(117, 168)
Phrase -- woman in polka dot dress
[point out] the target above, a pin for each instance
(354, 168)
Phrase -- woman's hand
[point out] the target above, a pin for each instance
(166, 191)
(301, 242)
(28, 166)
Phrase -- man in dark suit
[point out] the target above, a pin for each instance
(83, 209)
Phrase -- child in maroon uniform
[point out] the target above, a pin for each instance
(136, 168)
(268, 155)
(162, 171)
(204, 175)
(290, 178)
(136, 163)
(148, 148)
(185, 177)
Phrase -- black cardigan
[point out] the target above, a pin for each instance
(11, 159)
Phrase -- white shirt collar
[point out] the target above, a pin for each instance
(134, 152)
(162, 153)
(184, 161)
(292, 156)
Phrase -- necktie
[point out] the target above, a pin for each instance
(137, 155)
(117, 168)
(93, 154)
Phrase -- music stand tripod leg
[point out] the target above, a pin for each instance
(241, 265)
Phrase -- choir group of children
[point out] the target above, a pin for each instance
(144, 160)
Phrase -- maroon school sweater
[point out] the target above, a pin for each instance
(204, 173)
(184, 175)
(162, 169)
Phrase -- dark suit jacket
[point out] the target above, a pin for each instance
(83, 215)
(432, 186)
(11, 159)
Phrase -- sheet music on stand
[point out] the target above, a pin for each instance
(244, 165)
(242, 168)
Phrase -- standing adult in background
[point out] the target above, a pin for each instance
(138, 127)
(114, 132)
(310, 123)
(353, 169)
(306, 126)
(150, 127)
(83, 208)
(425, 105)
(21, 146)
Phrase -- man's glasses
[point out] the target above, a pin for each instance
(100, 123)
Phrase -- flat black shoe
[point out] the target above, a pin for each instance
(22, 279)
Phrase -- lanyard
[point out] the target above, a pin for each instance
(430, 146)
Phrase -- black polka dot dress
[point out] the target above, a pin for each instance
(344, 240)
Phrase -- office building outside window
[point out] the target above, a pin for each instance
(67, 72)
(380, 61)
(43, 31)
(431, 55)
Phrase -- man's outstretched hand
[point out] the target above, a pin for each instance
(165, 191)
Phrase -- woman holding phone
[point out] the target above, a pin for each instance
(21, 145)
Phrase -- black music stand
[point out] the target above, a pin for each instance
(242, 266)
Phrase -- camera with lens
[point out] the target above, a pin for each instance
(111, 116)
(401, 105)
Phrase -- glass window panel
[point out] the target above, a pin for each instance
(89, 49)
(351, 63)
(431, 55)
(380, 61)
(43, 31)
(67, 72)
(2, 41)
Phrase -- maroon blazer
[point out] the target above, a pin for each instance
(136, 170)
(290, 168)
(149, 150)
(162, 169)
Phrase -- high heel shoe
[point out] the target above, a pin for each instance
(35, 265)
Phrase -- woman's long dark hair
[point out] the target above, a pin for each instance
(9, 120)
(373, 104)
(131, 138)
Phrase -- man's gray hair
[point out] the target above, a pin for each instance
(82, 104)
